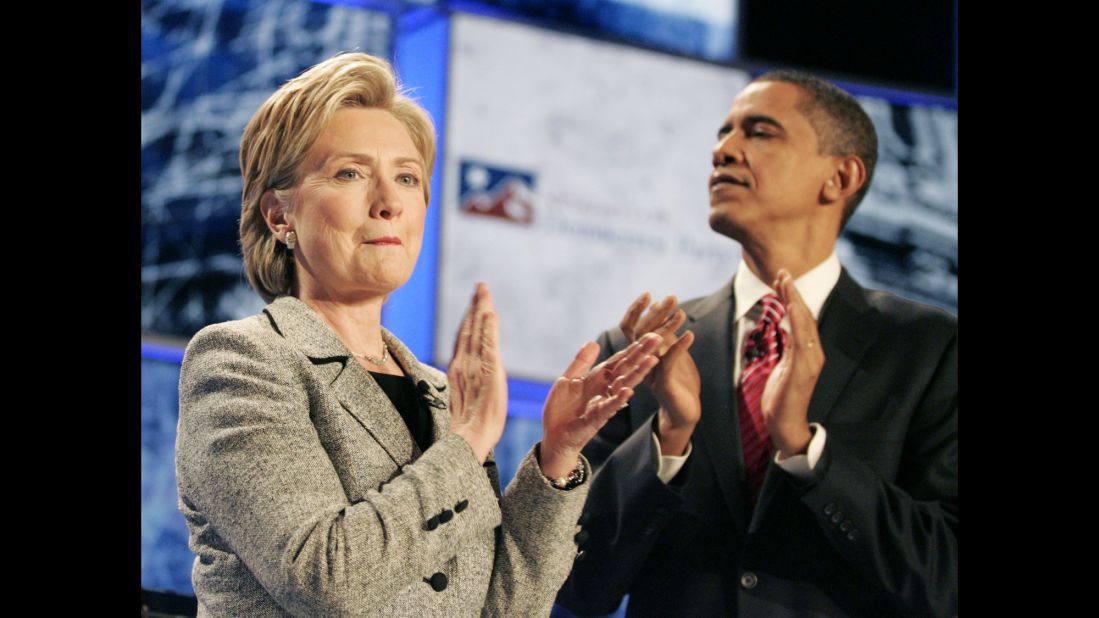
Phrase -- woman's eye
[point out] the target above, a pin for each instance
(347, 174)
(408, 180)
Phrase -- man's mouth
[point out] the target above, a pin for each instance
(719, 179)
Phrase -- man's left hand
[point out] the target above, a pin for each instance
(785, 399)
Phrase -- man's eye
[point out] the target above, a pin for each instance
(762, 134)
(409, 180)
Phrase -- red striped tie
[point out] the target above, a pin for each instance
(762, 352)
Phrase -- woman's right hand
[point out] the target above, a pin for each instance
(478, 384)
(583, 399)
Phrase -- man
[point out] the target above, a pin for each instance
(796, 452)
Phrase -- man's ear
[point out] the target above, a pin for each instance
(276, 213)
(848, 177)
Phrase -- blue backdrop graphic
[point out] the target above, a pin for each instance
(207, 65)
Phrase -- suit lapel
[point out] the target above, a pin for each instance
(847, 328)
(711, 321)
(352, 385)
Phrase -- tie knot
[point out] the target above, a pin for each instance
(769, 309)
(767, 339)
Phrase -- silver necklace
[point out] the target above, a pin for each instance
(377, 361)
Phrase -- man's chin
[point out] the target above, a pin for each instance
(722, 224)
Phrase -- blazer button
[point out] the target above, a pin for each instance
(837, 516)
(749, 580)
(461, 506)
(845, 526)
(446, 516)
(852, 535)
(432, 523)
(828, 508)
(438, 582)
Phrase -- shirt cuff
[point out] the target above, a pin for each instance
(801, 466)
(667, 466)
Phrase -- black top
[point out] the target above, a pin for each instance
(402, 392)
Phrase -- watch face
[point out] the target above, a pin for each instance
(576, 477)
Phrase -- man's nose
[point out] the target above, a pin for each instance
(728, 150)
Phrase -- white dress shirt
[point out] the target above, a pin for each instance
(814, 287)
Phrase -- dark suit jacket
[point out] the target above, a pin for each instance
(874, 533)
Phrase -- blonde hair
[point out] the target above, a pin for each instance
(283, 130)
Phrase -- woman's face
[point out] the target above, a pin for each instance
(359, 208)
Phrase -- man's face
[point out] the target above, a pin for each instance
(768, 172)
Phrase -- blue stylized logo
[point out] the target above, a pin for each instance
(494, 191)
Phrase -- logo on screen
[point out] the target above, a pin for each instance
(493, 191)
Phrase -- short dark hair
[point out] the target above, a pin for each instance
(842, 126)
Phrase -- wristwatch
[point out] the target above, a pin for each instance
(574, 478)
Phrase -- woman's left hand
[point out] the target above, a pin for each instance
(478, 383)
(582, 401)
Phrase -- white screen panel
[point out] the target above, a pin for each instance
(575, 178)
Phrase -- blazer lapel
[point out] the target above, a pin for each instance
(711, 321)
(431, 385)
(352, 385)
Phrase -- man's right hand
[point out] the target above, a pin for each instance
(675, 381)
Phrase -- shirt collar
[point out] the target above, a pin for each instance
(814, 286)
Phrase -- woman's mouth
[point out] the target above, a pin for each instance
(384, 240)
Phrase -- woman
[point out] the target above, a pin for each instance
(322, 469)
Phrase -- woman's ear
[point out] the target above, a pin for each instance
(276, 213)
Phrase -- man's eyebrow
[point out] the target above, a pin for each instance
(763, 119)
(752, 120)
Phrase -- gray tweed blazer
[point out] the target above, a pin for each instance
(305, 494)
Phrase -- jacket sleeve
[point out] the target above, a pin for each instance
(627, 507)
(901, 534)
(250, 461)
(536, 544)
